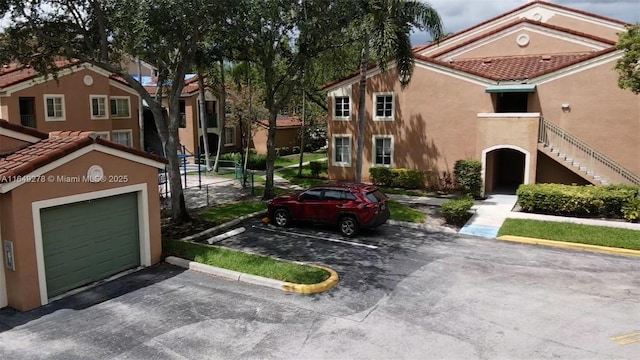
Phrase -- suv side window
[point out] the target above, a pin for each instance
(313, 194)
(348, 196)
(332, 195)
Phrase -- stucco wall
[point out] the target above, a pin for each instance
(285, 137)
(538, 44)
(17, 217)
(435, 116)
(77, 105)
(550, 171)
(600, 114)
(599, 30)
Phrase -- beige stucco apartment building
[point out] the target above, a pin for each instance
(82, 97)
(532, 94)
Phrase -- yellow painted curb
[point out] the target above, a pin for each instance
(314, 288)
(266, 220)
(570, 245)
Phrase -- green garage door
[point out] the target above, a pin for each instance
(88, 241)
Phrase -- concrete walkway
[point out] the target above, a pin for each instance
(489, 216)
(491, 213)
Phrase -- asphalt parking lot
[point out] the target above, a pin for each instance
(403, 294)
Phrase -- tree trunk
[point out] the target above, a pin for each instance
(271, 154)
(202, 124)
(302, 131)
(364, 64)
(222, 105)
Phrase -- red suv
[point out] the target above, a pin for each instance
(350, 206)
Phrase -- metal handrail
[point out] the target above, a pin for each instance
(553, 136)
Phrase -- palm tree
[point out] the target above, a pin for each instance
(384, 27)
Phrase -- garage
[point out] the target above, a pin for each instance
(88, 241)
(75, 209)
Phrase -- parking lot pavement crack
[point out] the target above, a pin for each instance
(310, 330)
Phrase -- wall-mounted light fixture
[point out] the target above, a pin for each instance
(566, 107)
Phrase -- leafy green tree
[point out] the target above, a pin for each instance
(104, 32)
(280, 37)
(628, 66)
(383, 28)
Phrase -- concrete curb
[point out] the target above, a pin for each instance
(259, 280)
(569, 245)
(420, 226)
(223, 226)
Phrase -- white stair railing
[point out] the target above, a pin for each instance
(583, 156)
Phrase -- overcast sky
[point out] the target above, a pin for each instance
(460, 14)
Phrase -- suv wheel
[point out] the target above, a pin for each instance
(281, 217)
(348, 226)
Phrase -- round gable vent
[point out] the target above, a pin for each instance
(522, 40)
(95, 174)
(88, 80)
(537, 17)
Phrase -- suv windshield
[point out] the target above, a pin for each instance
(375, 196)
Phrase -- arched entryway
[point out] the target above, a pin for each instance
(505, 168)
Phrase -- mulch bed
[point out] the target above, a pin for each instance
(171, 231)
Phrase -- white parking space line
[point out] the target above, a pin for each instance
(319, 238)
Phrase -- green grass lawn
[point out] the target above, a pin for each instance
(401, 212)
(246, 263)
(576, 233)
(227, 212)
(294, 159)
(306, 180)
(259, 191)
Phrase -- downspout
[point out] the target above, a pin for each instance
(3, 281)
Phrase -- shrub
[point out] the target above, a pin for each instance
(407, 179)
(558, 199)
(257, 162)
(631, 210)
(456, 211)
(381, 176)
(316, 168)
(468, 177)
(296, 149)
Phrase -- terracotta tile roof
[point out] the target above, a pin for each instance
(12, 74)
(524, 7)
(512, 68)
(57, 145)
(190, 86)
(283, 122)
(22, 129)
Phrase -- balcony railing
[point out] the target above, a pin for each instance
(28, 120)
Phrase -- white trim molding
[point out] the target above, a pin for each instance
(106, 107)
(122, 131)
(374, 111)
(116, 98)
(62, 106)
(6, 187)
(18, 135)
(333, 150)
(118, 85)
(333, 110)
(143, 225)
(527, 162)
(373, 149)
(582, 66)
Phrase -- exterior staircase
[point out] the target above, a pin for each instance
(581, 158)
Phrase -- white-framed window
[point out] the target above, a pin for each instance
(383, 106)
(120, 107)
(54, 108)
(122, 137)
(229, 136)
(341, 150)
(103, 134)
(341, 108)
(98, 107)
(383, 150)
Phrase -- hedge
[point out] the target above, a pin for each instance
(456, 211)
(571, 200)
(398, 178)
(468, 177)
